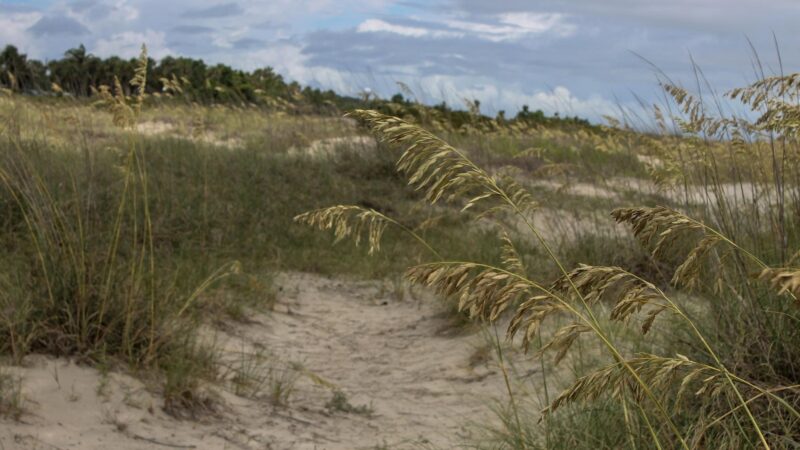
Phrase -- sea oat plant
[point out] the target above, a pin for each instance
(655, 384)
(90, 287)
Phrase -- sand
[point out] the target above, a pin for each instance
(418, 378)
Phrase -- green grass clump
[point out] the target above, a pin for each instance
(339, 402)
(87, 272)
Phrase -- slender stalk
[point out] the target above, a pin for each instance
(597, 331)
(411, 233)
(721, 367)
(511, 399)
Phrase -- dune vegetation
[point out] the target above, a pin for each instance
(648, 281)
(717, 312)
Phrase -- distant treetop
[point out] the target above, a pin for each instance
(79, 74)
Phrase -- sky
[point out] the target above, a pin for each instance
(575, 57)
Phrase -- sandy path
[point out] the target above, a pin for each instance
(387, 353)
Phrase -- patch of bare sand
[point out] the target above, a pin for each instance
(153, 128)
(420, 383)
(619, 188)
(589, 190)
(735, 195)
(326, 148)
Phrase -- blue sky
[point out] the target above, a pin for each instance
(572, 56)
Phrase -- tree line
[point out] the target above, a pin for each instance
(79, 73)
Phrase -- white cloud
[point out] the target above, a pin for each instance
(509, 27)
(108, 11)
(381, 26)
(289, 60)
(455, 89)
(514, 26)
(123, 11)
(563, 101)
(378, 26)
(128, 44)
(226, 38)
(99, 17)
(13, 30)
(501, 55)
(539, 22)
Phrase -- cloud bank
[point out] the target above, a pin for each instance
(579, 57)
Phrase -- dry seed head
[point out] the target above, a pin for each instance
(628, 293)
(563, 339)
(658, 373)
(349, 221)
(688, 273)
(484, 292)
(139, 80)
(667, 226)
(114, 100)
(661, 224)
(607, 380)
(784, 280)
(512, 261)
(124, 112)
(438, 169)
(529, 317)
(691, 106)
(758, 93)
(174, 86)
(781, 117)
(698, 122)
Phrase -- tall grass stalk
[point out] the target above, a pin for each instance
(442, 172)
